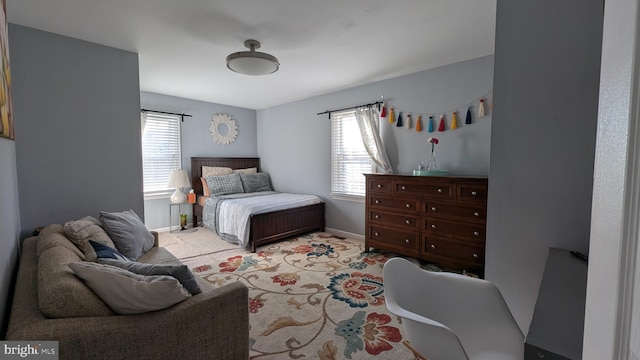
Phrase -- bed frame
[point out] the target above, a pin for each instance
(268, 227)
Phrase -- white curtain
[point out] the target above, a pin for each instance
(367, 118)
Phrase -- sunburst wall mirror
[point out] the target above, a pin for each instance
(223, 129)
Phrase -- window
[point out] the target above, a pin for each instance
(160, 151)
(349, 158)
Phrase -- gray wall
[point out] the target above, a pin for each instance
(547, 64)
(294, 142)
(77, 126)
(196, 141)
(10, 225)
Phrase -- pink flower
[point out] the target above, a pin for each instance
(432, 140)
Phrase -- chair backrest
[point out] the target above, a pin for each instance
(443, 306)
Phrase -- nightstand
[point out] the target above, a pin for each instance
(182, 224)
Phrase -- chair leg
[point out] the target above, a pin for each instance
(414, 351)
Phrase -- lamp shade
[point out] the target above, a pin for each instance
(177, 180)
(252, 62)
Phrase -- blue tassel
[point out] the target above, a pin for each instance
(399, 123)
(430, 127)
(468, 120)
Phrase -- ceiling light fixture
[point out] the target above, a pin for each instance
(252, 62)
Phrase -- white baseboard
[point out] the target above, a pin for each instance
(344, 234)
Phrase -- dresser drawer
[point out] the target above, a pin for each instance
(455, 210)
(434, 190)
(393, 203)
(454, 229)
(395, 239)
(472, 192)
(435, 248)
(379, 184)
(404, 221)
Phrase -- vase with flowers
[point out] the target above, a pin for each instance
(431, 163)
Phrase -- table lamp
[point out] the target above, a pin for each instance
(178, 180)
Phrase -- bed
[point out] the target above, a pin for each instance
(267, 227)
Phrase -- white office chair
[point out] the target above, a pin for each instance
(447, 316)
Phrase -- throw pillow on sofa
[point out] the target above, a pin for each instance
(81, 230)
(180, 272)
(128, 232)
(128, 293)
(96, 251)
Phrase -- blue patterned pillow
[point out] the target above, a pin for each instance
(97, 251)
(256, 182)
(224, 184)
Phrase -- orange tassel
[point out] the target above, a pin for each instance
(419, 123)
(454, 121)
(391, 116)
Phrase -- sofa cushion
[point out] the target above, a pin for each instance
(128, 232)
(180, 272)
(53, 236)
(60, 293)
(87, 228)
(97, 251)
(129, 293)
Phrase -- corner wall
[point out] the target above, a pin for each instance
(547, 67)
(77, 127)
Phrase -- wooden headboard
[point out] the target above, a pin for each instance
(233, 162)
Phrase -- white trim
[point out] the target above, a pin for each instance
(345, 234)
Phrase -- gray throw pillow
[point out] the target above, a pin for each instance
(128, 293)
(180, 272)
(256, 182)
(224, 184)
(128, 232)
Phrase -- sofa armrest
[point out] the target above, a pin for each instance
(213, 324)
(155, 238)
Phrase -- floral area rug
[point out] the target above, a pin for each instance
(311, 297)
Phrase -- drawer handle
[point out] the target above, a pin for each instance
(474, 193)
(377, 201)
(433, 208)
(408, 206)
(376, 234)
(439, 191)
(407, 221)
(476, 214)
(475, 256)
(377, 216)
(379, 186)
(475, 233)
(433, 226)
(433, 246)
(407, 241)
(403, 187)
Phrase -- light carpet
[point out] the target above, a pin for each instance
(310, 297)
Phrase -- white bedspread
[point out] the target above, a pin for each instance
(235, 214)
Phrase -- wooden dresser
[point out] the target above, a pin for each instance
(438, 219)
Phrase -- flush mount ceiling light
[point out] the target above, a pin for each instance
(252, 62)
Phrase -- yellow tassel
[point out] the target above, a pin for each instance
(419, 123)
(392, 116)
(454, 121)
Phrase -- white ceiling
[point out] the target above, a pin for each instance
(322, 46)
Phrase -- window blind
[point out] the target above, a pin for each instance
(349, 158)
(160, 151)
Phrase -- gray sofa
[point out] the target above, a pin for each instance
(51, 303)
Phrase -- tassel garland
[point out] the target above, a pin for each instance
(419, 123)
(468, 120)
(408, 123)
(441, 126)
(383, 113)
(454, 121)
(391, 116)
(399, 122)
(481, 108)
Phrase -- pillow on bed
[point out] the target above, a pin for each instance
(215, 170)
(256, 182)
(224, 184)
(246, 171)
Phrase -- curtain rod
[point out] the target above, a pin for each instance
(165, 112)
(350, 107)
